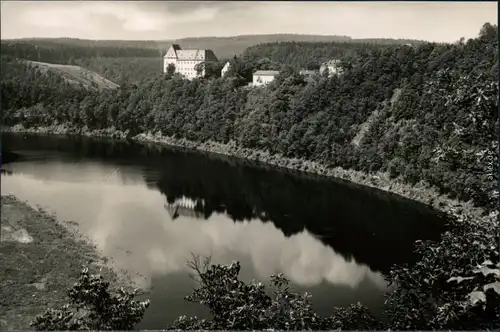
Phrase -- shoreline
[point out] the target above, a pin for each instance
(420, 192)
(41, 258)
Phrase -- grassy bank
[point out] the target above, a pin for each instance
(41, 258)
(421, 192)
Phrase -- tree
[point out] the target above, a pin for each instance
(450, 288)
(93, 307)
(200, 68)
(235, 305)
(170, 69)
(472, 146)
(488, 31)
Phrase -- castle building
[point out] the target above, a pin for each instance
(186, 61)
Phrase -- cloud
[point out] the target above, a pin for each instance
(170, 20)
(181, 7)
(93, 16)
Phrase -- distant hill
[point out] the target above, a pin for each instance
(124, 70)
(76, 75)
(304, 55)
(224, 47)
(132, 61)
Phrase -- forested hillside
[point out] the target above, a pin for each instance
(118, 62)
(131, 61)
(318, 121)
(124, 70)
(62, 49)
(302, 55)
(426, 112)
(74, 75)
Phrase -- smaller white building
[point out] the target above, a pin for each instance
(225, 69)
(333, 67)
(306, 73)
(263, 77)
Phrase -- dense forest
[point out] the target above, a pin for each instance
(62, 49)
(426, 112)
(396, 108)
(300, 55)
(124, 70)
(120, 63)
(123, 61)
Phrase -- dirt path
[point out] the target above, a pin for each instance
(40, 258)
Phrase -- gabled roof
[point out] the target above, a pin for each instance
(192, 54)
(210, 55)
(266, 73)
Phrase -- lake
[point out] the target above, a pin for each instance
(150, 207)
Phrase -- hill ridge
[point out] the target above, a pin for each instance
(224, 47)
(76, 75)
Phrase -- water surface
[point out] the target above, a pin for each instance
(149, 208)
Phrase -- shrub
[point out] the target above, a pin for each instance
(455, 283)
(93, 307)
(236, 305)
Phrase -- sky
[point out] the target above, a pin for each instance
(162, 20)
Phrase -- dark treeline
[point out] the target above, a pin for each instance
(124, 70)
(300, 55)
(119, 62)
(62, 51)
(123, 61)
(396, 109)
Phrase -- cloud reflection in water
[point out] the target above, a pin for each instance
(123, 216)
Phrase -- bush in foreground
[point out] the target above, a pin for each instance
(235, 305)
(454, 285)
(93, 307)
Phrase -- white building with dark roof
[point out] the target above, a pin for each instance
(263, 77)
(185, 61)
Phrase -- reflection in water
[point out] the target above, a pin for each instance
(110, 213)
(184, 206)
(329, 238)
